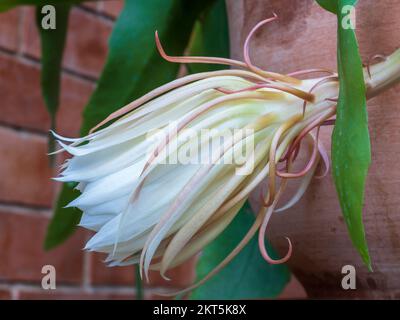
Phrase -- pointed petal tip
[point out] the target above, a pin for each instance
(162, 274)
(73, 203)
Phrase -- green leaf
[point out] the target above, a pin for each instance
(332, 5)
(52, 43)
(134, 66)
(64, 220)
(351, 154)
(210, 37)
(248, 276)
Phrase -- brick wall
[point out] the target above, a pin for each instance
(26, 191)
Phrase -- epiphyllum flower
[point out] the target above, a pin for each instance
(159, 215)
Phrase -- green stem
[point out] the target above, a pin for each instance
(139, 284)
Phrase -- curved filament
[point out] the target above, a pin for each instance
(196, 59)
(306, 96)
(263, 227)
(224, 61)
(374, 58)
(265, 196)
(246, 54)
(325, 159)
(315, 123)
(305, 182)
(330, 122)
(308, 167)
(310, 71)
(245, 240)
(272, 155)
(319, 83)
(291, 150)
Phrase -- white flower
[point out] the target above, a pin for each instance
(158, 213)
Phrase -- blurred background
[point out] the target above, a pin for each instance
(26, 191)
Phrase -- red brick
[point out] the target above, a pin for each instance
(20, 93)
(22, 255)
(112, 8)
(101, 274)
(5, 294)
(87, 44)
(22, 102)
(181, 276)
(30, 42)
(75, 94)
(24, 169)
(86, 47)
(9, 26)
(60, 294)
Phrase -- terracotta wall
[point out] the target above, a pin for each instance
(26, 192)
